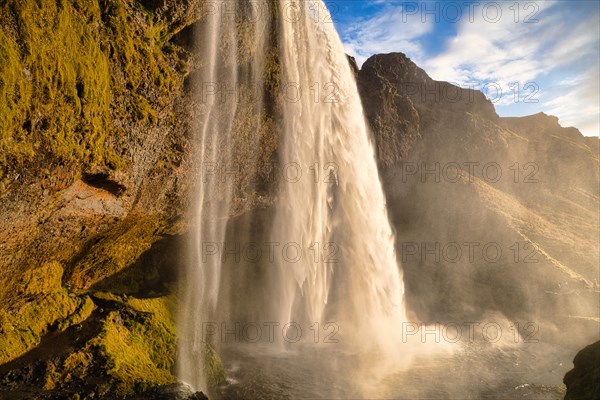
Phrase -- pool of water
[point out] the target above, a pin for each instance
(473, 371)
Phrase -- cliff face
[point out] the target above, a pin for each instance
(492, 214)
(402, 104)
(95, 168)
(88, 169)
(98, 165)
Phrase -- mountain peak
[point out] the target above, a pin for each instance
(399, 65)
(402, 75)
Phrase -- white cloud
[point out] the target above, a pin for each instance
(551, 53)
(502, 52)
(391, 29)
(580, 104)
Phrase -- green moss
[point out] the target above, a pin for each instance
(56, 94)
(162, 308)
(143, 110)
(15, 93)
(139, 53)
(139, 350)
(41, 280)
(83, 312)
(77, 364)
(108, 296)
(116, 250)
(68, 70)
(46, 304)
(215, 373)
(51, 377)
(127, 350)
(135, 350)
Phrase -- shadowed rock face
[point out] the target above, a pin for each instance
(583, 381)
(403, 103)
(458, 177)
(391, 114)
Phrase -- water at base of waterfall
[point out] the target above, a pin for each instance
(480, 371)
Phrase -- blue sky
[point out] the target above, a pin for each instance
(527, 56)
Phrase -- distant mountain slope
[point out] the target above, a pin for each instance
(459, 177)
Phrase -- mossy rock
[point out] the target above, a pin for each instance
(114, 250)
(138, 354)
(55, 82)
(213, 367)
(68, 70)
(45, 305)
(138, 344)
(83, 312)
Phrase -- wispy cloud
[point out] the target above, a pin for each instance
(499, 50)
(547, 43)
(580, 104)
(390, 29)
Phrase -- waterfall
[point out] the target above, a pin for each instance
(334, 248)
(355, 279)
(200, 285)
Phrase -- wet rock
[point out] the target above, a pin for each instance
(353, 65)
(176, 391)
(583, 381)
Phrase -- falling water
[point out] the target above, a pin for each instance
(339, 215)
(329, 214)
(200, 285)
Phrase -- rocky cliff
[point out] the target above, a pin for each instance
(100, 108)
(491, 214)
(94, 179)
